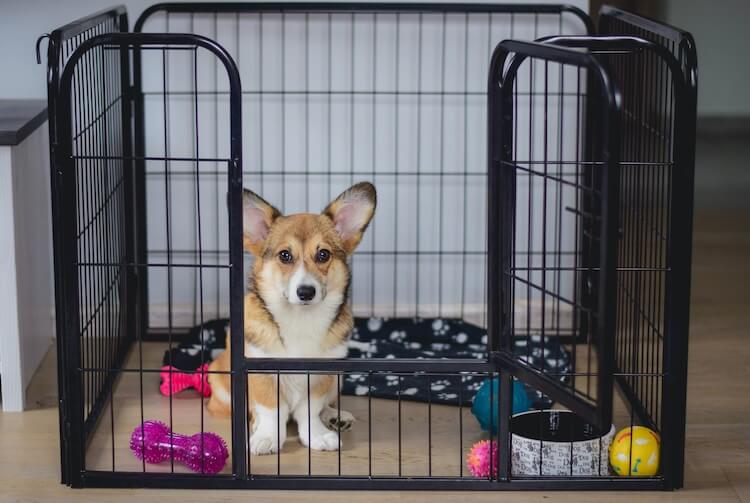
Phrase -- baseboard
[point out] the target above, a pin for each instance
(721, 125)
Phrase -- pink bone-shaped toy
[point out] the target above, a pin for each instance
(154, 441)
(173, 380)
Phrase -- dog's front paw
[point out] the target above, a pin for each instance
(263, 444)
(328, 441)
(336, 420)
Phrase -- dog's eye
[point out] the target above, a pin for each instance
(285, 256)
(322, 256)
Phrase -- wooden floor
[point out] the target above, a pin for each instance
(718, 443)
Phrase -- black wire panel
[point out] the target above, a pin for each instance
(100, 232)
(659, 104)
(640, 270)
(553, 192)
(147, 234)
(99, 255)
(335, 94)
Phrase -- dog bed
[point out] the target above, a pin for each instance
(414, 338)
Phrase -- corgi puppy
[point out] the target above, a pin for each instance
(296, 307)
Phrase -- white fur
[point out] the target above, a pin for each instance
(299, 278)
(303, 328)
(266, 437)
(221, 394)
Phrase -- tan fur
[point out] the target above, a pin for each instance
(303, 235)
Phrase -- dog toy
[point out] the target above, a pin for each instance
(481, 405)
(635, 452)
(478, 459)
(154, 441)
(173, 380)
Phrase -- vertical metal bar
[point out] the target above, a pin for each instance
(530, 213)
(399, 425)
(194, 126)
(329, 135)
(396, 137)
(418, 163)
(307, 112)
(460, 426)
(608, 254)
(578, 263)
(442, 171)
(260, 100)
(465, 178)
(236, 276)
(200, 235)
(429, 425)
(500, 245)
(309, 437)
(139, 190)
(65, 186)
(168, 235)
(352, 123)
(369, 423)
(373, 105)
(278, 422)
(338, 417)
(216, 153)
(677, 310)
(105, 390)
(248, 427)
(545, 167)
(55, 53)
(283, 112)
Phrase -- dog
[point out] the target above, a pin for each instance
(296, 306)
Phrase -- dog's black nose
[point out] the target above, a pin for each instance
(306, 293)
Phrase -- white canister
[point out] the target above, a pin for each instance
(561, 442)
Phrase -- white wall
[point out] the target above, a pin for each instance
(448, 281)
(723, 41)
(22, 21)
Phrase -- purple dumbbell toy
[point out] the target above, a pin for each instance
(151, 441)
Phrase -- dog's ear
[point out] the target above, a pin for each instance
(351, 212)
(257, 218)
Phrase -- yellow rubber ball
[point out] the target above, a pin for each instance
(635, 452)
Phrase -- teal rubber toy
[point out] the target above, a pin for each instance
(481, 405)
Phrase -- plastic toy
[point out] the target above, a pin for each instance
(481, 405)
(478, 459)
(174, 380)
(635, 453)
(154, 441)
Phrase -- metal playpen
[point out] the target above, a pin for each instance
(545, 205)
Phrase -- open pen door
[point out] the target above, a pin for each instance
(552, 231)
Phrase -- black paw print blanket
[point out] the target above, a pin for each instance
(399, 338)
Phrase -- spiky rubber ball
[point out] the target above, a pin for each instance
(478, 459)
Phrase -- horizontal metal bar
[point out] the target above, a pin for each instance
(592, 269)
(426, 366)
(378, 252)
(196, 481)
(152, 264)
(354, 92)
(207, 172)
(357, 7)
(151, 158)
(150, 371)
